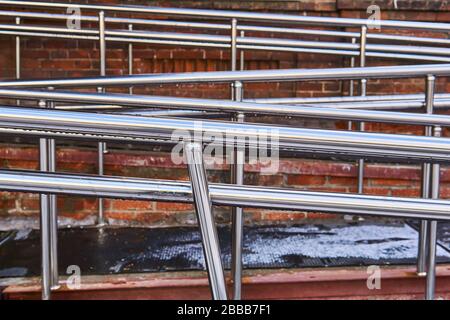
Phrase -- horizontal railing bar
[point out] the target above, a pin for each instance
(223, 45)
(202, 25)
(240, 15)
(368, 105)
(226, 45)
(228, 195)
(384, 105)
(47, 29)
(168, 35)
(240, 40)
(106, 127)
(406, 56)
(174, 113)
(252, 75)
(345, 34)
(324, 100)
(40, 15)
(48, 35)
(347, 53)
(169, 42)
(235, 106)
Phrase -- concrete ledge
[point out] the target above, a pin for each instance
(331, 283)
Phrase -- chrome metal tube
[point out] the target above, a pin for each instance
(224, 195)
(352, 65)
(240, 15)
(432, 228)
(45, 225)
(248, 75)
(242, 55)
(235, 106)
(174, 113)
(102, 44)
(236, 222)
(363, 92)
(374, 54)
(234, 37)
(53, 218)
(237, 212)
(432, 232)
(431, 263)
(194, 40)
(233, 42)
(349, 99)
(35, 28)
(53, 209)
(423, 236)
(18, 56)
(176, 36)
(396, 104)
(130, 58)
(426, 176)
(182, 39)
(205, 216)
(33, 33)
(101, 221)
(55, 123)
(202, 25)
(101, 150)
(351, 85)
(40, 15)
(362, 57)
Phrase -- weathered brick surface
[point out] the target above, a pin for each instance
(60, 58)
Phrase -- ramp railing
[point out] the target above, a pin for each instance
(238, 32)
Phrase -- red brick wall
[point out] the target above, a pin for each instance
(58, 58)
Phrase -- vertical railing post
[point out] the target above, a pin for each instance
(351, 87)
(45, 226)
(237, 176)
(234, 34)
(237, 217)
(352, 65)
(18, 60)
(432, 228)
(101, 145)
(363, 91)
(102, 44)
(130, 58)
(242, 55)
(53, 210)
(203, 207)
(426, 173)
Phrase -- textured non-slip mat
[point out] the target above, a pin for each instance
(134, 250)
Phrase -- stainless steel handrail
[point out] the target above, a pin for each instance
(394, 72)
(223, 195)
(248, 16)
(57, 124)
(356, 113)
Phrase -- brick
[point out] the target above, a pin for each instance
(393, 183)
(321, 215)
(132, 205)
(306, 180)
(407, 193)
(280, 216)
(173, 206)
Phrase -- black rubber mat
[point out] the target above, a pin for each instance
(134, 250)
(443, 233)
